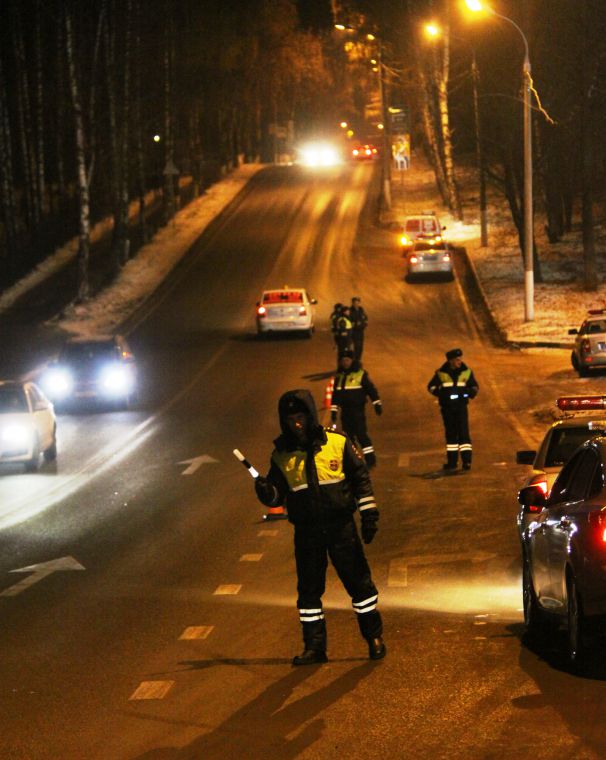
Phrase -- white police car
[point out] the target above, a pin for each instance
(286, 310)
(589, 350)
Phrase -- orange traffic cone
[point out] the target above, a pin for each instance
(275, 513)
(328, 393)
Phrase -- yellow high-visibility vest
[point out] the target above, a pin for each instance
(328, 460)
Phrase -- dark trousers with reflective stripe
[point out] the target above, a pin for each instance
(340, 542)
(353, 422)
(456, 427)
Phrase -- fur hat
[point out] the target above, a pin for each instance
(454, 353)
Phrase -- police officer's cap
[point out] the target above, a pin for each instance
(454, 353)
(295, 406)
(346, 353)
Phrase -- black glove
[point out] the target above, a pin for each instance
(370, 518)
(473, 392)
(378, 408)
(264, 490)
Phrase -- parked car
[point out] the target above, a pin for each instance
(564, 552)
(364, 152)
(589, 350)
(286, 310)
(425, 225)
(100, 369)
(28, 426)
(429, 258)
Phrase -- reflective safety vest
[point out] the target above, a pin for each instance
(328, 460)
(349, 381)
(343, 325)
(447, 382)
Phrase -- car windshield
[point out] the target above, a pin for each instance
(12, 400)
(564, 442)
(282, 296)
(83, 353)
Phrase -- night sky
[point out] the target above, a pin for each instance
(315, 14)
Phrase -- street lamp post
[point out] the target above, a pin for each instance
(477, 5)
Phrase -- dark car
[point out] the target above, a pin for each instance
(564, 552)
(100, 369)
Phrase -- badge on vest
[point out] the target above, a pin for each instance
(334, 465)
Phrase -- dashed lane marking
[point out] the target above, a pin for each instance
(228, 588)
(152, 690)
(250, 557)
(197, 632)
(267, 533)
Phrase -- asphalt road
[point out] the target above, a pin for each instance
(166, 627)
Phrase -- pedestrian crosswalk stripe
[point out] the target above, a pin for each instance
(228, 588)
(267, 533)
(152, 690)
(196, 632)
(250, 557)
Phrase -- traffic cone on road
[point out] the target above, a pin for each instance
(328, 393)
(275, 513)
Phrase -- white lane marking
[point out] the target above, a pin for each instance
(197, 632)
(404, 459)
(39, 572)
(197, 462)
(398, 574)
(228, 588)
(398, 568)
(152, 690)
(250, 558)
(267, 533)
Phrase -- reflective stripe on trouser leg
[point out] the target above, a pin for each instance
(369, 619)
(466, 452)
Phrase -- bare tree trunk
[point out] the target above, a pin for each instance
(588, 86)
(169, 177)
(7, 184)
(431, 137)
(82, 283)
(138, 126)
(123, 239)
(40, 132)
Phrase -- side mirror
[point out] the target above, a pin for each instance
(574, 331)
(525, 457)
(532, 499)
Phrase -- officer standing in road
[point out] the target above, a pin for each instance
(324, 479)
(454, 384)
(336, 313)
(352, 386)
(344, 329)
(359, 320)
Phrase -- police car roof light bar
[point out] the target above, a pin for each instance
(580, 403)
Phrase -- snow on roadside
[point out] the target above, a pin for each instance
(560, 301)
(153, 262)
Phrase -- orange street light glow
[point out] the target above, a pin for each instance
(432, 30)
(474, 5)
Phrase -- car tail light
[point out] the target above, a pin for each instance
(576, 403)
(540, 481)
(405, 240)
(368, 152)
(355, 151)
(261, 311)
(413, 259)
(446, 257)
(597, 520)
(302, 311)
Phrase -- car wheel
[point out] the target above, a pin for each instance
(50, 454)
(32, 464)
(576, 645)
(574, 361)
(533, 619)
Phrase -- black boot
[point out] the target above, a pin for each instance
(376, 648)
(310, 657)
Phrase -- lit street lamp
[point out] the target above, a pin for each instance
(476, 6)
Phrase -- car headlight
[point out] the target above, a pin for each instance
(117, 380)
(57, 383)
(405, 240)
(16, 435)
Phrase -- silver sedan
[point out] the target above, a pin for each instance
(429, 258)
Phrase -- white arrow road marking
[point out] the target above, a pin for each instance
(152, 690)
(197, 462)
(197, 632)
(39, 572)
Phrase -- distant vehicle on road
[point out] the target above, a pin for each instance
(564, 552)
(420, 226)
(364, 152)
(100, 369)
(589, 350)
(429, 258)
(27, 425)
(286, 310)
(319, 154)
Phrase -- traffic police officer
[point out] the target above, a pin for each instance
(336, 313)
(352, 386)
(359, 320)
(454, 384)
(343, 330)
(324, 480)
